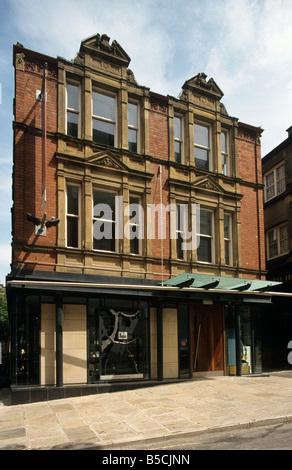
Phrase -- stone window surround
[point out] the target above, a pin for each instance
(187, 111)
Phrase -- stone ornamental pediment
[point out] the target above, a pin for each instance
(100, 46)
(107, 160)
(199, 84)
(207, 183)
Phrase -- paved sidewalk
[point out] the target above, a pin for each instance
(116, 420)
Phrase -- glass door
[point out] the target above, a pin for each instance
(250, 340)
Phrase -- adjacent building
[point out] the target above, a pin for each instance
(277, 172)
(138, 249)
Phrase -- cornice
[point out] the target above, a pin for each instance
(104, 160)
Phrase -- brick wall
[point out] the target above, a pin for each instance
(27, 173)
(252, 217)
(39, 252)
(158, 128)
(158, 147)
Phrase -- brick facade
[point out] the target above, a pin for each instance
(252, 216)
(31, 251)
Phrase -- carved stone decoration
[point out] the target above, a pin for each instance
(37, 67)
(99, 46)
(79, 58)
(201, 81)
(19, 61)
(158, 106)
(223, 109)
(246, 136)
(107, 161)
(131, 77)
(199, 84)
(209, 184)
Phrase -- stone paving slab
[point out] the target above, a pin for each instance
(112, 420)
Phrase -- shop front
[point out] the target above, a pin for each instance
(66, 333)
(101, 339)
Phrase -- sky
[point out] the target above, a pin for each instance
(244, 45)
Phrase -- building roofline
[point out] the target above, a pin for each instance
(277, 149)
(158, 96)
(37, 55)
(249, 127)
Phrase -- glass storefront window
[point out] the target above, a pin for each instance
(117, 340)
(257, 340)
(246, 340)
(250, 340)
(120, 341)
(230, 340)
(183, 338)
(27, 345)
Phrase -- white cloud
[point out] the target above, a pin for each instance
(5, 260)
(245, 45)
(5, 253)
(130, 23)
(251, 36)
(250, 59)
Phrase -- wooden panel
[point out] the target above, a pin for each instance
(74, 344)
(207, 334)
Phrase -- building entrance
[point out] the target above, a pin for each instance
(207, 339)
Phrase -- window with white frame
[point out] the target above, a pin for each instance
(275, 182)
(181, 230)
(178, 139)
(277, 241)
(228, 239)
(104, 220)
(133, 126)
(73, 216)
(103, 118)
(202, 146)
(280, 179)
(72, 109)
(136, 225)
(224, 153)
(205, 237)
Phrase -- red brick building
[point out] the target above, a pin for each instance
(95, 136)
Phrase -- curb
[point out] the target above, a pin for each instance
(168, 438)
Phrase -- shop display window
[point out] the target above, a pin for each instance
(117, 341)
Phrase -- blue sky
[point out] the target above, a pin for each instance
(245, 45)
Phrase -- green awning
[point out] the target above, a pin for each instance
(205, 281)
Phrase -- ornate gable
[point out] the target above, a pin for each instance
(99, 46)
(200, 85)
